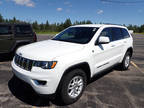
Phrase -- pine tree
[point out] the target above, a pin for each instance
(76, 23)
(14, 20)
(88, 22)
(6, 20)
(141, 28)
(67, 23)
(35, 25)
(42, 27)
(1, 18)
(47, 25)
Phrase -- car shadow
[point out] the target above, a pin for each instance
(26, 94)
(100, 75)
(105, 72)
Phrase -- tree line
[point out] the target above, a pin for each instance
(57, 27)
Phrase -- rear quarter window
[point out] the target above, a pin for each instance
(23, 29)
(5, 30)
(125, 33)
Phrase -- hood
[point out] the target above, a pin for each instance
(48, 50)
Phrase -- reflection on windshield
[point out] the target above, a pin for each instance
(80, 35)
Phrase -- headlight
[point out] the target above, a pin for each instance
(45, 64)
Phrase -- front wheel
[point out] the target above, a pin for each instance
(126, 61)
(73, 85)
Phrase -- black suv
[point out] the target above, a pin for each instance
(13, 36)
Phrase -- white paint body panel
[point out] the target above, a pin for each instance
(99, 57)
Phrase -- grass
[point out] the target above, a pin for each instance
(47, 32)
(138, 33)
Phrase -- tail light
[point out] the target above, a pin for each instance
(35, 37)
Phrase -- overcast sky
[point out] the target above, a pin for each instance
(107, 11)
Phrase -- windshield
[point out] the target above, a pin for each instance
(80, 35)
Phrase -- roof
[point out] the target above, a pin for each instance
(99, 25)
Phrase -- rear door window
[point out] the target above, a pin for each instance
(125, 33)
(23, 29)
(117, 34)
(5, 30)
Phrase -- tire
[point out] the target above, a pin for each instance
(68, 87)
(126, 61)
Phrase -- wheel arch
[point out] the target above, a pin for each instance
(130, 49)
(84, 66)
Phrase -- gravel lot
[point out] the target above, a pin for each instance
(111, 89)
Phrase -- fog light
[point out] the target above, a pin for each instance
(39, 82)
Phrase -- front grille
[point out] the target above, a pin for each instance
(24, 63)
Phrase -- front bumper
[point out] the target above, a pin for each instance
(51, 77)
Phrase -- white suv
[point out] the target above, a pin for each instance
(65, 64)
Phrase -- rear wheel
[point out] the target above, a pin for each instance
(126, 61)
(73, 85)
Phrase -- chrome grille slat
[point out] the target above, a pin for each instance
(21, 59)
(18, 60)
(24, 63)
(27, 64)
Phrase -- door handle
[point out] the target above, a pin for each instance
(125, 41)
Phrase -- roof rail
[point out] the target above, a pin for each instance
(112, 24)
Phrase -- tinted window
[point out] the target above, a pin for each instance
(117, 34)
(107, 33)
(80, 35)
(125, 33)
(5, 30)
(23, 29)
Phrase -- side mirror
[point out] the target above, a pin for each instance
(103, 40)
